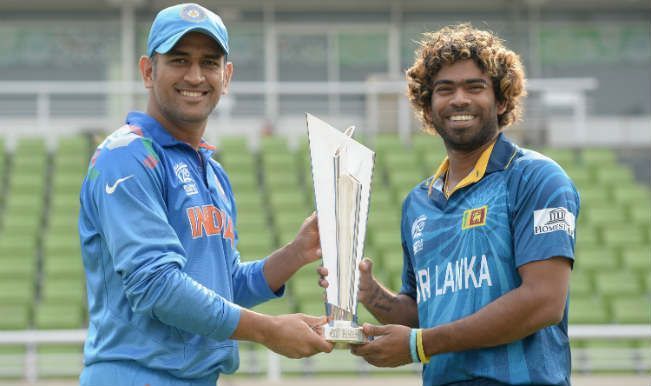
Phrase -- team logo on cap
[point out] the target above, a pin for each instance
(193, 13)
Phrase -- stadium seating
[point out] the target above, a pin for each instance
(41, 272)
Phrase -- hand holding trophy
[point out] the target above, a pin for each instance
(341, 169)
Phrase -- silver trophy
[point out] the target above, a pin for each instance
(342, 169)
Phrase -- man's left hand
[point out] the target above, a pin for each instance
(389, 348)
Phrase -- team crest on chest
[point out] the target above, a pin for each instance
(183, 173)
(474, 217)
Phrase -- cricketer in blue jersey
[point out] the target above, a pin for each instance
(167, 293)
(488, 240)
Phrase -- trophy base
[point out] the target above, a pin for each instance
(343, 333)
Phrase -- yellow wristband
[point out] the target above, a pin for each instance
(419, 345)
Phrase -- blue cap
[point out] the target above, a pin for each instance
(172, 23)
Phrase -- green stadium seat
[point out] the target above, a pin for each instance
(614, 175)
(63, 245)
(581, 176)
(640, 213)
(427, 144)
(580, 284)
(256, 222)
(593, 196)
(564, 157)
(404, 182)
(399, 162)
(631, 310)
(631, 195)
(58, 315)
(14, 316)
(280, 160)
(234, 163)
(606, 216)
(596, 258)
(385, 143)
(314, 307)
(637, 258)
(244, 183)
(235, 143)
(17, 267)
(607, 355)
(598, 156)
(12, 361)
(588, 310)
(17, 247)
(281, 181)
(63, 267)
(290, 200)
(64, 290)
(616, 283)
(67, 184)
(254, 246)
(249, 202)
(16, 291)
(273, 144)
(304, 287)
(587, 236)
(59, 360)
(623, 236)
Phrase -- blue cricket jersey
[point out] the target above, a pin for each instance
(462, 252)
(164, 278)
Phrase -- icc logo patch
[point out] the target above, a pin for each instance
(183, 174)
(474, 217)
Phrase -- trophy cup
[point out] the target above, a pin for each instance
(342, 169)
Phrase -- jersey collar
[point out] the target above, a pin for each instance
(159, 134)
(497, 156)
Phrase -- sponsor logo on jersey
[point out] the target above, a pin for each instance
(474, 217)
(208, 220)
(417, 233)
(553, 219)
(110, 189)
(183, 173)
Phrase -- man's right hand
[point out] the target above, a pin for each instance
(296, 335)
(367, 283)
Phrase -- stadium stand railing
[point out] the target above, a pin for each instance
(42, 291)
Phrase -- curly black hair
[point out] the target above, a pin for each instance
(460, 42)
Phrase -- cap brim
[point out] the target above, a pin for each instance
(167, 45)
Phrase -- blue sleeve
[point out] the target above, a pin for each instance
(250, 286)
(408, 278)
(545, 208)
(128, 193)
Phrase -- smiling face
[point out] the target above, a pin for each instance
(463, 108)
(186, 84)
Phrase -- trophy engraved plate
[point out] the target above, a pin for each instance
(342, 169)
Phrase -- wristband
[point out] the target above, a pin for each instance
(412, 346)
(419, 345)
